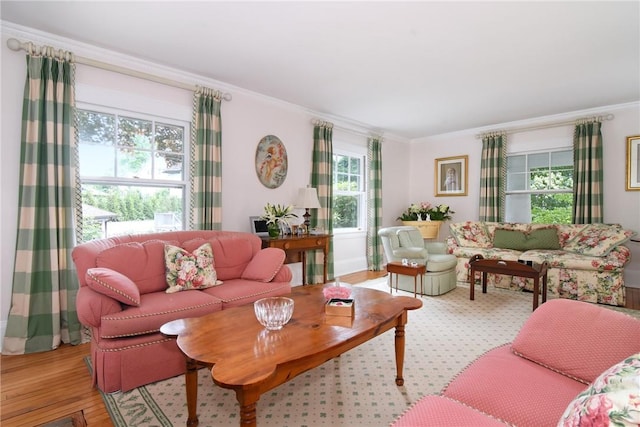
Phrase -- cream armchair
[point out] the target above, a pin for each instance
(407, 242)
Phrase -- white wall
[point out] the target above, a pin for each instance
(620, 206)
(407, 172)
(245, 120)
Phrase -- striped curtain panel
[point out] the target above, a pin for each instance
(43, 312)
(374, 204)
(493, 177)
(587, 173)
(322, 180)
(206, 161)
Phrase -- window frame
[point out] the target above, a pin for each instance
(352, 151)
(181, 184)
(527, 173)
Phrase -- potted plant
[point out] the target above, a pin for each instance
(426, 217)
(276, 217)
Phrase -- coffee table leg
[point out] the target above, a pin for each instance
(191, 382)
(402, 320)
(536, 291)
(248, 399)
(472, 283)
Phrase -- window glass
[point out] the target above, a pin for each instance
(349, 193)
(540, 187)
(132, 170)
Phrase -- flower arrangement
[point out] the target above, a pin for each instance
(426, 211)
(276, 215)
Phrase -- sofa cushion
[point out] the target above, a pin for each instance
(439, 411)
(554, 336)
(542, 238)
(612, 399)
(237, 292)
(514, 389)
(113, 284)
(598, 239)
(264, 265)
(143, 263)
(471, 234)
(232, 254)
(189, 270)
(156, 309)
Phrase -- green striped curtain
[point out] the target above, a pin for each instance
(43, 312)
(493, 177)
(374, 204)
(322, 180)
(587, 173)
(206, 161)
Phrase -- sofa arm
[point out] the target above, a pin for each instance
(436, 248)
(91, 306)
(452, 244)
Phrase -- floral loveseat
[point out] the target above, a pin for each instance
(131, 285)
(586, 261)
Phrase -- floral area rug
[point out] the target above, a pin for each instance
(358, 388)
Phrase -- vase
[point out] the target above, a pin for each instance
(274, 230)
(428, 229)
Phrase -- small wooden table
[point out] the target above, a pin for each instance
(407, 270)
(513, 268)
(296, 248)
(246, 358)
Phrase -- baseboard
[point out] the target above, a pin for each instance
(3, 330)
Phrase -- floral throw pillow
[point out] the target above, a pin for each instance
(185, 270)
(612, 399)
(471, 234)
(598, 239)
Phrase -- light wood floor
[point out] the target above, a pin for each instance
(44, 387)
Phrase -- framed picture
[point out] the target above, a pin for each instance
(271, 161)
(258, 226)
(451, 176)
(633, 160)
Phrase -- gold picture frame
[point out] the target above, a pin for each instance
(633, 160)
(452, 176)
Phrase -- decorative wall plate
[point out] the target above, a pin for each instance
(271, 161)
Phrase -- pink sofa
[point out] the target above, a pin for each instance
(123, 298)
(572, 363)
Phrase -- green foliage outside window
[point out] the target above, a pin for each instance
(551, 208)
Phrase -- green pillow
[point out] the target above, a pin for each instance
(542, 238)
(509, 239)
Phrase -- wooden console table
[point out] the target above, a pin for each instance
(296, 248)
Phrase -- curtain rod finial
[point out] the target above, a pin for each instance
(14, 44)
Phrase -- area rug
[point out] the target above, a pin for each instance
(357, 388)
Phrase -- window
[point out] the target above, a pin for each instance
(132, 169)
(349, 191)
(540, 187)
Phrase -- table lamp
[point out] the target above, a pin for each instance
(307, 199)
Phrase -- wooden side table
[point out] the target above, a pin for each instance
(407, 270)
(513, 268)
(296, 248)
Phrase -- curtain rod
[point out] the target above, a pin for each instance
(548, 125)
(16, 45)
(321, 122)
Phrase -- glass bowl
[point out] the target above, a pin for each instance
(273, 312)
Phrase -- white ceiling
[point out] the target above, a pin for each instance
(411, 69)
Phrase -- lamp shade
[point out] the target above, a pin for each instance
(307, 198)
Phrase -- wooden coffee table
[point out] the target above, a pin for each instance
(512, 268)
(246, 358)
